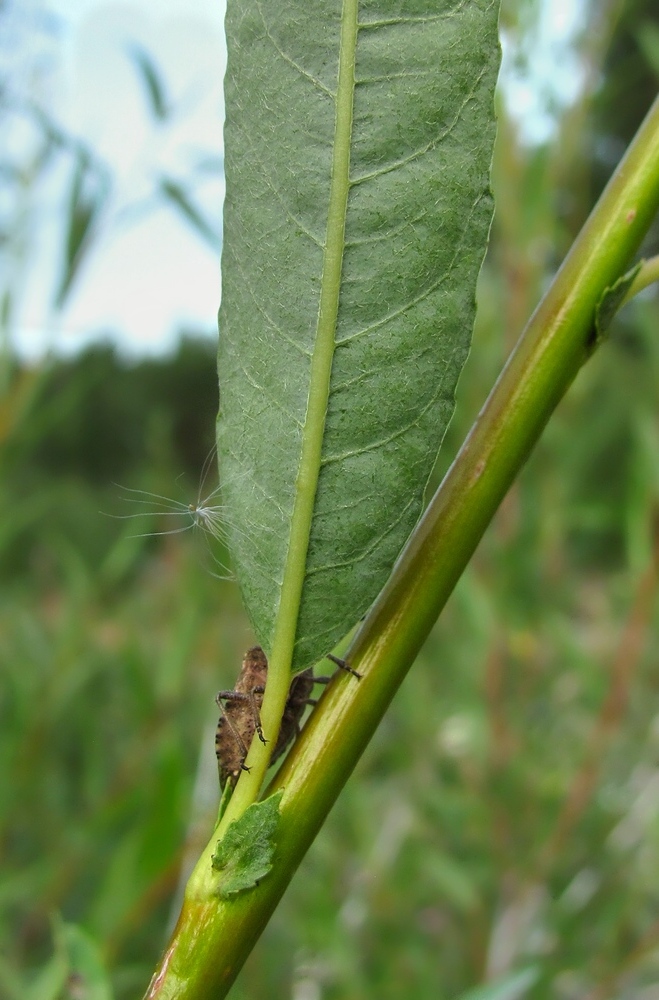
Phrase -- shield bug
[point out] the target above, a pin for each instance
(240, 713)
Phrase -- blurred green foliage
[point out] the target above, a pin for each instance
(503, 827)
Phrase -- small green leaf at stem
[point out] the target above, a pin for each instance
(244, 855)
(647, 274)
(612, 299)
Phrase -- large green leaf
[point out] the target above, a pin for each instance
(358, 141)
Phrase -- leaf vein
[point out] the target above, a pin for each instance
(382, 442)
(269, 397)
(407, 75)
(292, 62)
(269, 320)
(390, 233)
(429, 19)
(420, 297)
(423, 150)
(287, 212)
(341, 564)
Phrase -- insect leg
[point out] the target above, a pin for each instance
(255, 711)
(344, 665)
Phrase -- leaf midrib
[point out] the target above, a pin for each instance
(324, 346)
(281, 653)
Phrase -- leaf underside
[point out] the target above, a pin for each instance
(416, 219)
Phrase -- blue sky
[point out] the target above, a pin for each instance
(147, 273)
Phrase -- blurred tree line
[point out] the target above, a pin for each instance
(94, 423)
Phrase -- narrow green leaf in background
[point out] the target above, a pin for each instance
(88, 195)
(88, 977)
(511, 987)
(152, 79)
(183, 202)
(358, 142)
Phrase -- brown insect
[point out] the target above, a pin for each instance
(241, 718)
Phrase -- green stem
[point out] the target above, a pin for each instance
(213, 938)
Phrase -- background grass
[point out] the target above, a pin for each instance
(505, 818)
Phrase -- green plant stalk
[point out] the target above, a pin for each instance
(212, 937)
